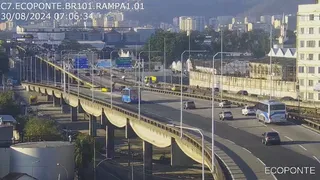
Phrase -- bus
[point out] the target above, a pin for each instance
(271, 111)
(130, 95)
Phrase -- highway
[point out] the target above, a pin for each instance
(300, 147)
(298, 142)
(243, 131)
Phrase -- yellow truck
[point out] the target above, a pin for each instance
(150, 79)
(33, 100)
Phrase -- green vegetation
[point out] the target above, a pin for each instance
(42, 128)
(7, 104)
(74, 45)
(4, 62)
(84, 149)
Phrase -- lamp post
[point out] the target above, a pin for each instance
(143, 64)
(58, 164)
(181, 84)
(270, 61)
(111, 78)
(202, 142)
(33, 164)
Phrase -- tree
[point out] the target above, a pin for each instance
(42, 128)
(84, 149)
(8, 105)
(4, 62)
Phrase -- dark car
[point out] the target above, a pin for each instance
(243, 92)
(225, 115)
(87, 74)
(189, 105)
(271, 138)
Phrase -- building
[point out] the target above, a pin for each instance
(224, 20)
(308, 51)
(283, 69)
(266, 19)
(192, 23)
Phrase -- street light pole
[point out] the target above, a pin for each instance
(271, 70)
(221, 72)
(65, 169)
(202, 142)
(181, 84)
(111, 82)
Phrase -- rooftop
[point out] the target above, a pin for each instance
(44, 144)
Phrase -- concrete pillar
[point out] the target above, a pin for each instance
(65, 108)
(74, 114)
(92, 126)
(110, 141)
(56, 101)
(178, 157)
(147, 160)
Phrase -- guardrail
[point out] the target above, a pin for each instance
(219, 173)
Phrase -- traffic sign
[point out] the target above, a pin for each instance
(124, 62)
(104, 63)
(81, 63)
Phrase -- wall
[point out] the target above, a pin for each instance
(253, 86)
(4, 161)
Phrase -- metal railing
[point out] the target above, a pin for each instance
(175, 132)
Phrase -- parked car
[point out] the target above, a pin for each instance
(189, 105)
(243, 92)
(248, 110)
(225, 115)
(225, 104)
(271, 138)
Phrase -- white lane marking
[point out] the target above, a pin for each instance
(303, 147)
(261, 161)
(288, 138)
(316, 159)
(247, 150)
(275, 178)
(274, 130)
(231, 141)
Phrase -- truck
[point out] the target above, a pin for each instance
(150, 79)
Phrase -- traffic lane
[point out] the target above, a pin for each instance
(271, 156)
(244, 166)
(294, 136)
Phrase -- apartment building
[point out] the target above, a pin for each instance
(193, 23)
(308, 50)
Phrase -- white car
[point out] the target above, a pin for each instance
(225, 104)
(248, 110)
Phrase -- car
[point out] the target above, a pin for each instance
(87, 74)
(113, 76)
(248, 110)
(225, 104)
(189, 105)
(243, 92)
(269, 138)
(225, 115)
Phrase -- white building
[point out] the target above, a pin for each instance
(192, 23)
(236, 68)
(308, 50)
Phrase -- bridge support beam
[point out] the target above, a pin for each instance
(129, 133)
(147, 160)
(80, 109)
(110, 140)
(93, 126)
(74, 114)
(178, 157)
(49, 98)
(56, 101)
(103, 118)
(65, 108)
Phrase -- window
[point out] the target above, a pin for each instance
(319, 30)
(311, 30)
(311, 17)
(310, 56)
(319, 41)
(302, 30)
(301, 82)
(310, 96)
(311, 43)
(301, 56)
(302, 44)
(301, 69)
(277, 107)
(311, 70)
(262, 107)
(319, 70)
(310, 83)
(318, 56)
(318, 96)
